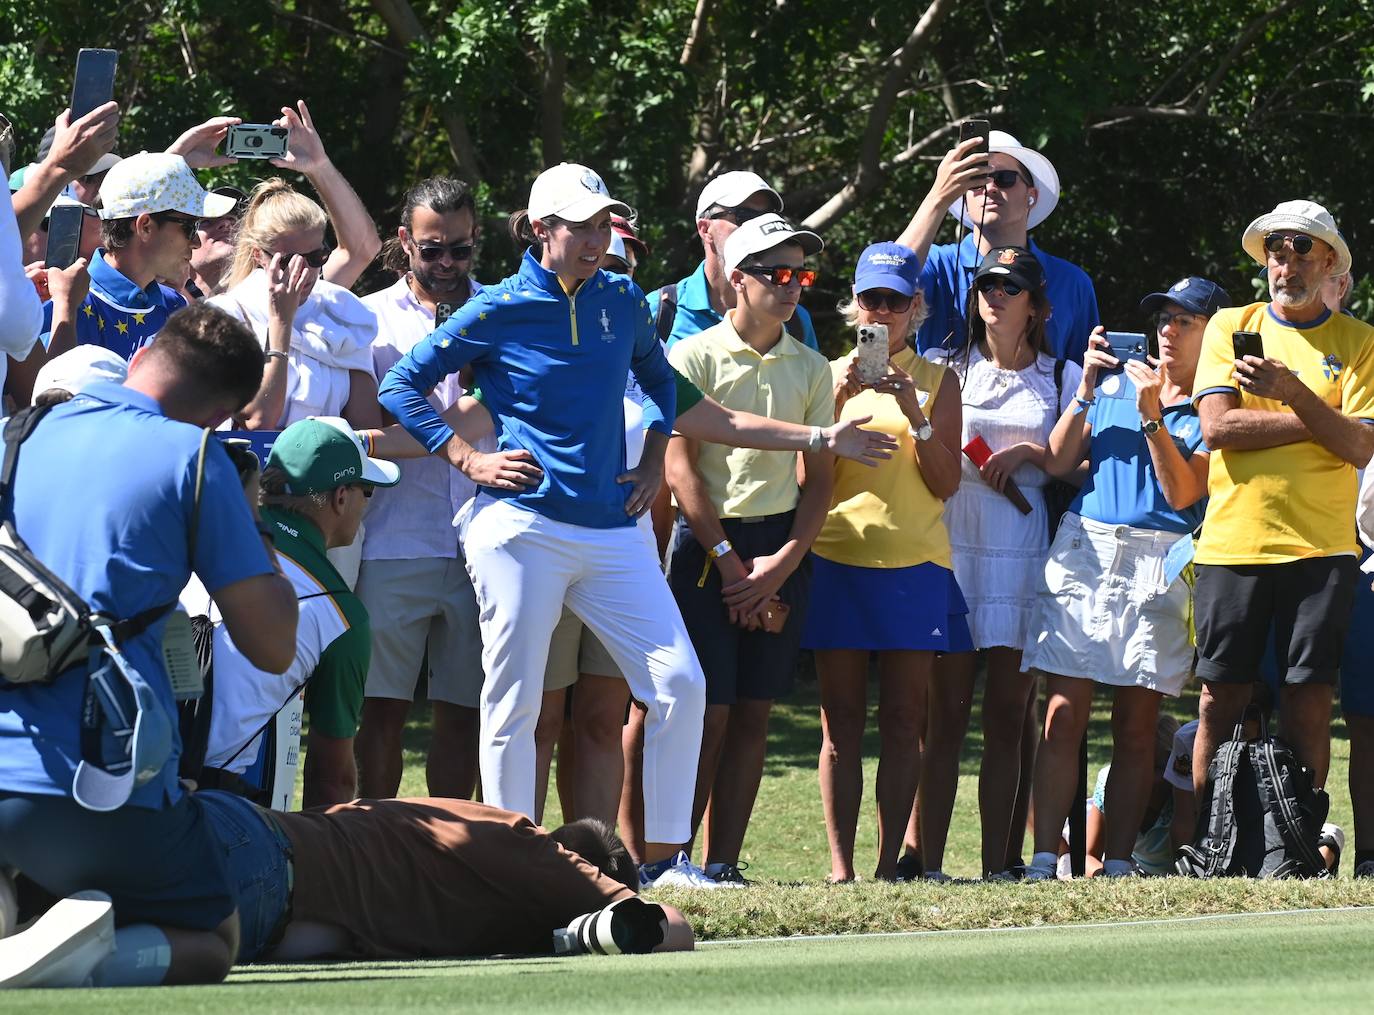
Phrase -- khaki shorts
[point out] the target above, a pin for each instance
(1103, 611)
(414, 604)
(574, 650)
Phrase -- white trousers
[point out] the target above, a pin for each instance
(524, 567)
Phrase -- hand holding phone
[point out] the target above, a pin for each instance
(1247, 343)
(979, 129)
(256, 141)
(871, 353)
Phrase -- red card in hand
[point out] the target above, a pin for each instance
(978, 453)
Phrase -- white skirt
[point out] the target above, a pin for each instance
(999, 560)
(1104, 611)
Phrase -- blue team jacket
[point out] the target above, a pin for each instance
(552, 371)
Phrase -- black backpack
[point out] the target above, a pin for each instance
(667, 311)
(1259, 816)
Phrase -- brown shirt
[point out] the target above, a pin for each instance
(437, 877)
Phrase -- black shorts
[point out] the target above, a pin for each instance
(1304, 605)
(739, 663)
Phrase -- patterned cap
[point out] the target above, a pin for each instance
(152, 182)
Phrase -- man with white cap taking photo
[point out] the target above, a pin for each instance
(999, 197)
(151, 205)
(700, 300)
(1286, 410)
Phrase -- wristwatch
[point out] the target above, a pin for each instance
(1152, 426)
(923, 432)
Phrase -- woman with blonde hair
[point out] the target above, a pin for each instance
(317, 335)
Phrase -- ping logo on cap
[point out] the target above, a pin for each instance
(1007, 256)
(350, 471)
(593, 182)
(776, 226)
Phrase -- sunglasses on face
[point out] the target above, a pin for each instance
(874, 300)
(315, 258)
(431, 252)
(779, 275)
(1006, 178)
(188, 226)
(1300, 242)
(1180, 320)
(987, 285)
(367, 490)
(739, 215)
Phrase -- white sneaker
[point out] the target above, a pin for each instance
(9, 905)
(682, 873)
(63, 947)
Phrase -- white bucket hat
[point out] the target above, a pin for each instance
(1303, 217)
(1041, 171)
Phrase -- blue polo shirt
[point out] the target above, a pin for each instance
(945, 279)
(103, 496)
(116, 313)
(695, 313)
(1122, 487)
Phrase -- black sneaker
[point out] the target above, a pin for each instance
(1333, 838)
(731, 874)
(909, 867)
(1365, 870)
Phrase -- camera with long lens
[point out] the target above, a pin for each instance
(628, 927)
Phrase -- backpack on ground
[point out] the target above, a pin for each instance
(1258, 816)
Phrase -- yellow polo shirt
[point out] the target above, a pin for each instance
(886, 516)
(789, 382)
(1275, 505)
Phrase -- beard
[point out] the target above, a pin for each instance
(1292, 292)
(439, 286)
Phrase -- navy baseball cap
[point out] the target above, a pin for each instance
(888, 266)
(1199, 295)
(1015, 264)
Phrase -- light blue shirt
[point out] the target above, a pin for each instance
(1122, 487)
(945, 280)
(695, 313)
(103, 495)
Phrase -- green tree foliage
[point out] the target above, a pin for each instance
(1172, 122)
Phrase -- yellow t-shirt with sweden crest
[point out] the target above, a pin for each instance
(886, 516)
(1275, 505)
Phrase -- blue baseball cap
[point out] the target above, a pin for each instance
(888, 266)
(1199, 295)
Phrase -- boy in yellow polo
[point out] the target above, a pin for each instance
(1288, 430)
(738, 567)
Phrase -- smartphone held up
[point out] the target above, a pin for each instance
(871, 357)
(93, 85)
(256, 141)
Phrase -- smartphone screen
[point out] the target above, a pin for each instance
(978, 129)
(64, 235)
(1247, 343)
(94, 83)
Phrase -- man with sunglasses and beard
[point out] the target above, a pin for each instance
(1288, 431)
(414, 578)
(738, 567)
(151, 206)
(999, 197)
(700, 300)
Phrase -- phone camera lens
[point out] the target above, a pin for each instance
(254, 141)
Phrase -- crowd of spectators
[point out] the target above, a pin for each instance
(600, 519)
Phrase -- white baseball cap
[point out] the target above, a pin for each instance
(152, 182)
(730, 190)
(764, 233)
(573, 193)
(1042, 171)
(1302, 217)
(79, 367)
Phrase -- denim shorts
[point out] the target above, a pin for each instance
(257, 856)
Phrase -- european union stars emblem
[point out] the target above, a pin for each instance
(1332, 367)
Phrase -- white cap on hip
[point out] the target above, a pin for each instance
(730, 190)
(573, 193)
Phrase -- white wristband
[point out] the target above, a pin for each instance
(817, 439)
(721, 549)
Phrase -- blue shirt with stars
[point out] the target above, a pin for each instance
(116, 313)
(552, 370)
(695, 313)
(1122, 487)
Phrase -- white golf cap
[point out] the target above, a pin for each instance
(79, 367)
(730, 190)
(764, 233)
(1301, 217)
(152, 182)
(573, 193)
(1046, 180)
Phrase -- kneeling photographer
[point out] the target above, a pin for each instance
(120, 495)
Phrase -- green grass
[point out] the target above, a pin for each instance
(1308, 961)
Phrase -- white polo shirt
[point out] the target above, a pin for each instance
(414, 519)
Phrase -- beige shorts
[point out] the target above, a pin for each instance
(1104, 613)
(574, 650)
(414, 604)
